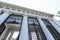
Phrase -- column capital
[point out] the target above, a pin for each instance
(24, 29)
(25, 15)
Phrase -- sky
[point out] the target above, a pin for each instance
(49, 6)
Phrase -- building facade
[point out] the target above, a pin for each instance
(19, 23)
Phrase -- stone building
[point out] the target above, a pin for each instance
(19, 23)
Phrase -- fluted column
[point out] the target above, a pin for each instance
(58, 23)
(55, 26)
(45, 30)
(3, 17)
(24, 29)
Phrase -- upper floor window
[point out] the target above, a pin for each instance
(33, 21)
(14, 19)
(46, 22)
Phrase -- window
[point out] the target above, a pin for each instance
(14, 19)
(35, 31)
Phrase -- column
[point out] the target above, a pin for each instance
(24, 29)
(56, 22)
(55, 26)
(45, 30)
(3, 17)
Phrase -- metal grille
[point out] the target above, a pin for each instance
(14, 19)
(52, 30)
(35, 31)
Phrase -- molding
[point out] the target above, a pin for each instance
(15, 7)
